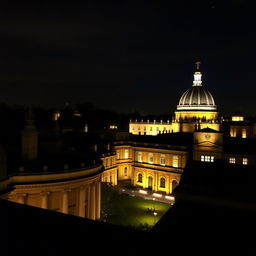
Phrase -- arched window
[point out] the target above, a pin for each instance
(125, 171)
(162, 182)
(174, 184)
(140, 178)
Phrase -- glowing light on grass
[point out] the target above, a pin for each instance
(143, 192)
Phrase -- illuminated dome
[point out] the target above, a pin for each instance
(197, 97)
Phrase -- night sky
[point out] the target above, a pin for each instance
(127, 56)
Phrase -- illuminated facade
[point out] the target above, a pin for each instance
(75, 192)
(196, 110)
(64, 185)
(158, 167)
(154, 167)
(110, 169)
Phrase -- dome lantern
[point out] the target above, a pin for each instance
(197, 98)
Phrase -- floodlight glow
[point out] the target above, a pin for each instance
(143, 192)
(157, 195)
(170, 197)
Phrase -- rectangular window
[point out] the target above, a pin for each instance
(245, 161)
(232, 160)
(244, 135)
(175, 161)
(126, 154)
(207, 159)
(150, 158)
(140, 157)
(117, 155)
(232, 132)
(162, 160)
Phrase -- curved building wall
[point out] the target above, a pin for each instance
(206, 115)
(110, 169)
(75, 192)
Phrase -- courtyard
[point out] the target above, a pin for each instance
(128, 210)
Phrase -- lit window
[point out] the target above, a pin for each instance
(175, 161)
(232, 160)
(237, 118)
(232, 132)
(162, 160)
(139, 156)
(245, 161)
(207, 158)
(162, 183)
(140, 178)
(126, 154)
(244, 133)
(150, 158)
(125, 171)
(117, 155)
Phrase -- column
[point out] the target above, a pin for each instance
(156, 181)
(88, 196)
(98, 200)
(44, 201)
(115, 174)
(22, 198)
(170, 186)
(153, 182)
(144, 181)
(167, 184)
(81, 211)
(65, 201)
(92, 202)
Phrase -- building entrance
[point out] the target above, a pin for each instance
(150, 182)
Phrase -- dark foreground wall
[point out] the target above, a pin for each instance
(214, 214)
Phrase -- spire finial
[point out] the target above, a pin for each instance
(197, 64)
(197, 76)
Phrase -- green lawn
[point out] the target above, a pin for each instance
(122, 209)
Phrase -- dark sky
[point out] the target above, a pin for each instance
(127, 56)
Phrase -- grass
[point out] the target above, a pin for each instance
(125, 210)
